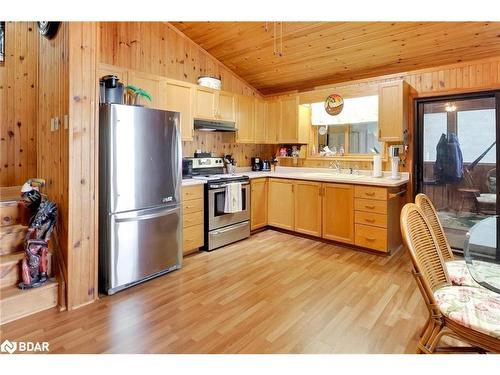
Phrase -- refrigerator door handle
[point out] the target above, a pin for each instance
(146, 216)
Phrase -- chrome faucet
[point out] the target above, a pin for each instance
(335, 165)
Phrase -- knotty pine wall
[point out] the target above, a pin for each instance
(159, 48)
(18, 102)
(464, 77)
(52, 155)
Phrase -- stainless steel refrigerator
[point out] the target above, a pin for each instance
(140, 176)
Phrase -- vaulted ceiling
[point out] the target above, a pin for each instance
(318, 53)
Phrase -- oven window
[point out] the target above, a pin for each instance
(220, 197)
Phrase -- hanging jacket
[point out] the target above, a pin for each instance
(441, 160)
(455, 163)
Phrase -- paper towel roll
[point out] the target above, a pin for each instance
(377, 165)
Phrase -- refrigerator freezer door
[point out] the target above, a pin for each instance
(142, 151)
(142, 244)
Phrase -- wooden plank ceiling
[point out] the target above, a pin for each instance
(318, 53)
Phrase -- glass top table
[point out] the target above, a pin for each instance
(482, 254)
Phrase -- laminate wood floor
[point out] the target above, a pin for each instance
(271, 293)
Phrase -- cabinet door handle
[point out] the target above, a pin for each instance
(370, 238)
(370, 194)
(371, 207)
(370, 220)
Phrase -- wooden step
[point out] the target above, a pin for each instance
(10, 213)
(10, 193)
(10, 268)
(12, 238)
(16, 303)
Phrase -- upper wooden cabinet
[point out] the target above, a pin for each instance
(153, 84)
(212, 104)
(295, 121)
(281, 203)
(307, 196)
(245, 115)
(205, 103)
(273, 120)
(258, 203)
(338, 212)
(393, 110)
(226, 106)
(180, 99)
(260, 123)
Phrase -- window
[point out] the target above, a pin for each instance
(435, 125)
(476, 132)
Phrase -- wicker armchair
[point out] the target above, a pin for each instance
(457, 269)
(456, 311)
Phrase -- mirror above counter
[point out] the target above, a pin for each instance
(353, 132)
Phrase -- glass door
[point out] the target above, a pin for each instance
(457, 159)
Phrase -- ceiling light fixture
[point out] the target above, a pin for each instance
(450, 107)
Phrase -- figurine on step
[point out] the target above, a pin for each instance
(43, 217)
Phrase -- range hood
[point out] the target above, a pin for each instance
(214, 126)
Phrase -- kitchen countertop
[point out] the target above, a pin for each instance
(320, 175)
(192, 181)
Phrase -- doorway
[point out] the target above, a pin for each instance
(457, 157)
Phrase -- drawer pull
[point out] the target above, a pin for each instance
(369, 206)
(370, 238)
(370, 194)
(370, 220)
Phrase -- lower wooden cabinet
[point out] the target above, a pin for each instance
(192, 218)
(307, 197)
(334, 211)
(377, 213)
(281, 203)
(258, 203)
(338, 212)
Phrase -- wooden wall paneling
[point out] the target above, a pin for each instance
(52, 161)
(82, 236)
(159, 48)
(18, 101)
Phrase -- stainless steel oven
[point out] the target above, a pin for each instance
(223, 228)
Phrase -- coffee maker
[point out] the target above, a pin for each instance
(256, 164)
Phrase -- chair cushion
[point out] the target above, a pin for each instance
(476, 308)
(459, 273)
(487, 198)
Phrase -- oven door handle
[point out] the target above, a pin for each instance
(225, 230)
(223, 187)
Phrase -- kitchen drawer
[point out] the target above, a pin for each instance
(370, 205)
(195, 205)
(195, 218)
(192, 192)
(192, 238)
(377, 193)
(370, 218)
(371, 237)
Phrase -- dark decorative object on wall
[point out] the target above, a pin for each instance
(334, 104)
(2, 41)
(43, 217)
(48, 29)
